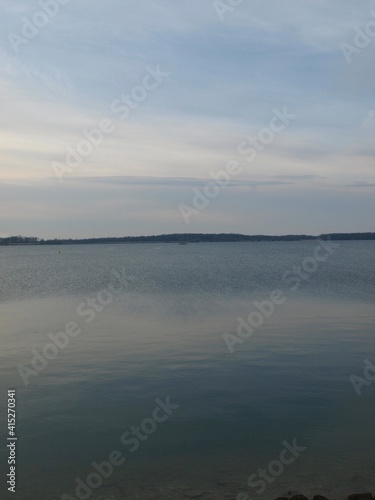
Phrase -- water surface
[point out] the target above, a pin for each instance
(162, 336)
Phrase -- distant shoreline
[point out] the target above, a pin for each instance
(184, 238)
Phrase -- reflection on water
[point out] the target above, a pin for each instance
(162, 336)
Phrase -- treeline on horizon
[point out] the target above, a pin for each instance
(183, 238)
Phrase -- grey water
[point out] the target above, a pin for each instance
(152, 320)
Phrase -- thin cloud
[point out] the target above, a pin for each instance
(226, 78)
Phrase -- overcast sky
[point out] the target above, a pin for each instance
(202, 79)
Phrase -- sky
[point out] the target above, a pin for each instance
(117, 116)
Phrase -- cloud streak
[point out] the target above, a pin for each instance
(225, 80)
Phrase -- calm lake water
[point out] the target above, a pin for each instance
(160, 335)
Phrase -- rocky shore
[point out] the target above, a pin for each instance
(353, 496)
(206, 495)
(122, 490)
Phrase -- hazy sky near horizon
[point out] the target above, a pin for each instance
(220, 76)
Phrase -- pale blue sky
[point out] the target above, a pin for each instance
(226, 76)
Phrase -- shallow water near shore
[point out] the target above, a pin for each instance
(161, 335)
